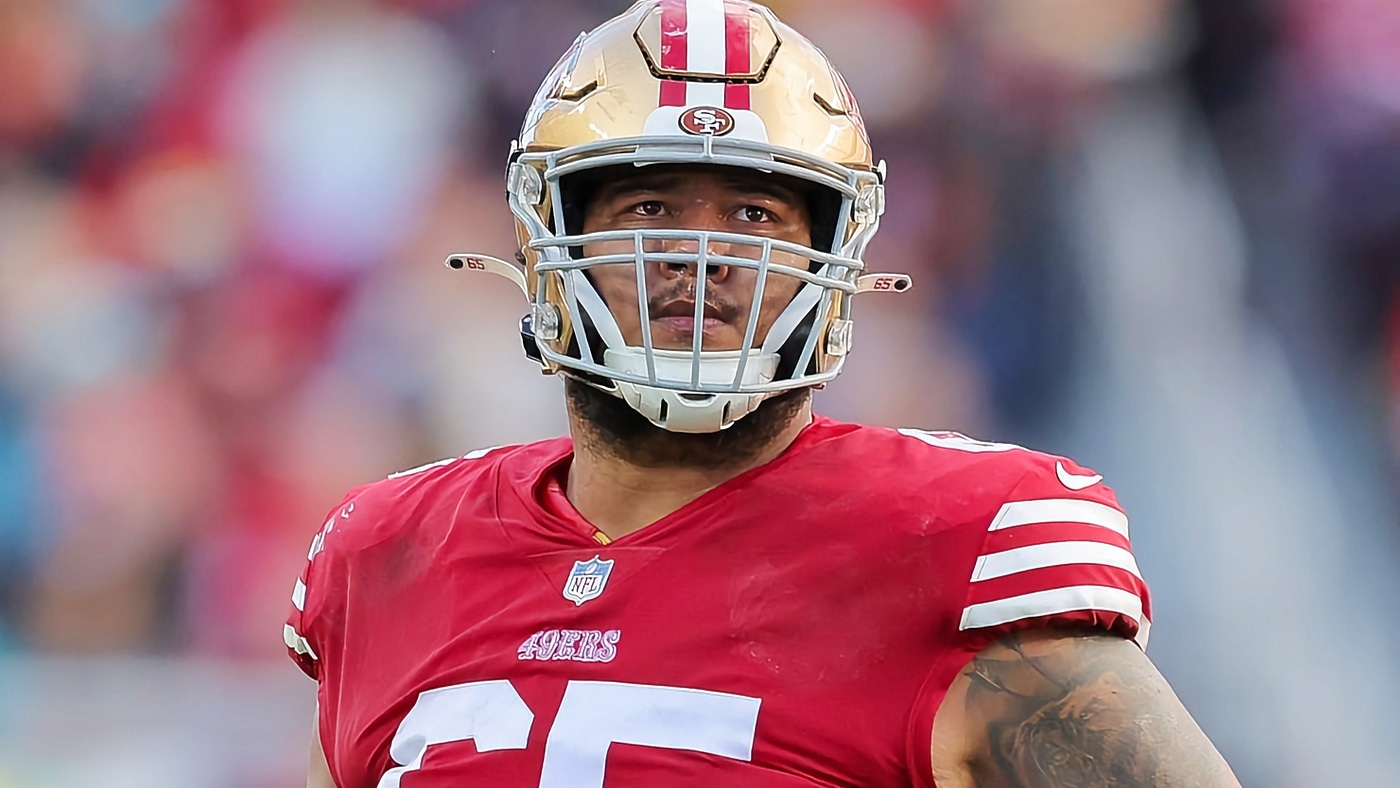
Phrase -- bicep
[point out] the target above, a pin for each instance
(318, 773)
(1059, 708)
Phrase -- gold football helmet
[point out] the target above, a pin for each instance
(709, 82)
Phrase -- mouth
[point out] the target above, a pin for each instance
(686, 325)
(679, 316)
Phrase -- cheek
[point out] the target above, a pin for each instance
(617, 285)
(777, 294)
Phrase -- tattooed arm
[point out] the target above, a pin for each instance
(1050, 709)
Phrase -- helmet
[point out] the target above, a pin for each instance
(716, 82)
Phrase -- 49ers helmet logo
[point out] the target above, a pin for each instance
(708, 121)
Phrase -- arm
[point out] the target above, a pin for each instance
(319, 773)
(1054, 708)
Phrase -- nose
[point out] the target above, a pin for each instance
(715, 272)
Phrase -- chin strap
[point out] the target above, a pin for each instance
(683, 411)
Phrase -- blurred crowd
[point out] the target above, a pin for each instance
(222, 227)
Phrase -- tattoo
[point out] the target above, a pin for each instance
(1083, 711)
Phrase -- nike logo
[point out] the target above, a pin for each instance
(1073, 480)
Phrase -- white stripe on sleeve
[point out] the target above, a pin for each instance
(1039, 556)
(1052, 602)
(296, 642)
(299, 595)
(1060, 510)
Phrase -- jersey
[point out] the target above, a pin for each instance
(795, 626)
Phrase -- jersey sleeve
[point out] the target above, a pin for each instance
(1057, 554)
(311, 622)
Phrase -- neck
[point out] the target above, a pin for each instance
(627, 474)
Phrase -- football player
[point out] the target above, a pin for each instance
(706, 585)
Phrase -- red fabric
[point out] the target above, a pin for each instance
(674, 54)
(737, 53)
(825, 588)
(1042, 483)
(1050, 578)
(554, 499)
(1043, 533)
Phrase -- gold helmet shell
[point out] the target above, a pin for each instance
(613, 81)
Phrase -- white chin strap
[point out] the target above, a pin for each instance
(682, 411)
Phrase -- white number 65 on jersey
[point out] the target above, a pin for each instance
(592, 716)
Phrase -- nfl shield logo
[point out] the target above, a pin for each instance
(587, 580)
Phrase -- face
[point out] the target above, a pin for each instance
(722, 199)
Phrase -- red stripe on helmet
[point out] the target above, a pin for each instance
(672, 93)
(674, 51)
(737, 58)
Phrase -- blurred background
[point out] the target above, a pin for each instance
(1161, 236)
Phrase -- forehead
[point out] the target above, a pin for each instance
(700, 180)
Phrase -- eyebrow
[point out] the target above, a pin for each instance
(767, 188)
(661, 182)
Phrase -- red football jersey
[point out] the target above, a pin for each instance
(795, 626)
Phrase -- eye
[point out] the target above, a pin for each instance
(648, 208)
(753, 213)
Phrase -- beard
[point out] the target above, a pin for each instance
(607, 424)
